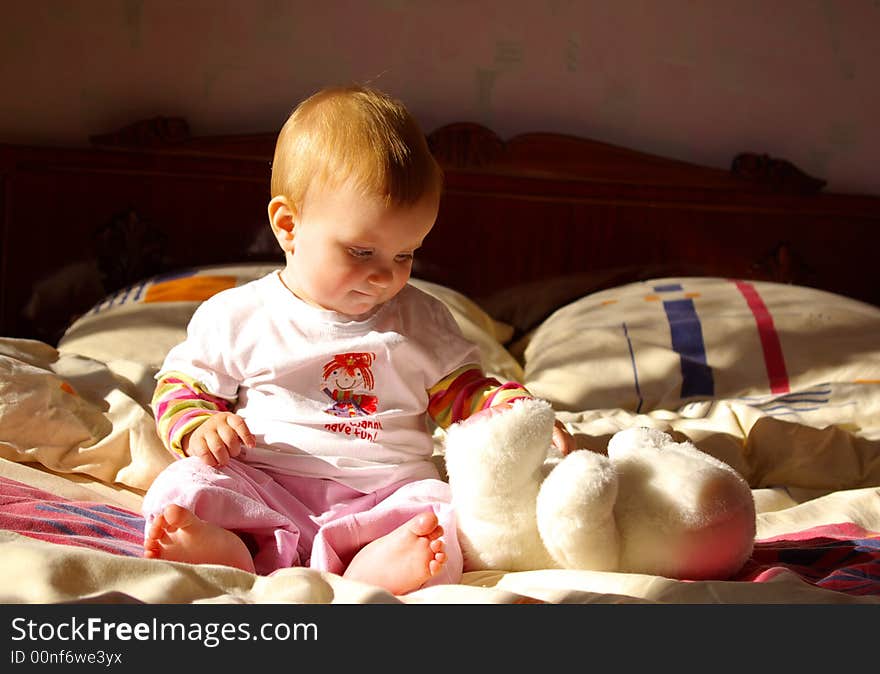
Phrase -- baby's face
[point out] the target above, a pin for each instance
(352, 253)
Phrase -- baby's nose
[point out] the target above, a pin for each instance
(381, 276)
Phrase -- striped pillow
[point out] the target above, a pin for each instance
(660, 343)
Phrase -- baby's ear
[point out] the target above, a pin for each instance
(282, 218)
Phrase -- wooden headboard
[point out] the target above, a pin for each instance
(536, 209)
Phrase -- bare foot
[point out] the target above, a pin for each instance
(404, 559)
(178, 535)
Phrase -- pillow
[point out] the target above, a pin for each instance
(526, 305)
(142, 322)
(656, 344)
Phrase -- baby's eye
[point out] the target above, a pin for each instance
(403, 257)
(360, 253)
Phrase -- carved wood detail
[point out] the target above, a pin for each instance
(155, 132)
(465, 145)
(775, 174)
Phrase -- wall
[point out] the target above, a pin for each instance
(699, 80)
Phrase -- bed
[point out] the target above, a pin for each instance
(737, 308)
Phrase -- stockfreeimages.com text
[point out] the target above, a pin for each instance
(209, 634)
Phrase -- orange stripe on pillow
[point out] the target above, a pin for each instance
(189, 289)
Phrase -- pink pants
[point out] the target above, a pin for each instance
(299, 521)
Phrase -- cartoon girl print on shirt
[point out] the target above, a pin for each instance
(347, 380)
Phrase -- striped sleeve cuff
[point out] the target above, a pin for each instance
(468, 391)
(181, 404)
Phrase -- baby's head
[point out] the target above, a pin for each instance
(355, 190)
(354, 134)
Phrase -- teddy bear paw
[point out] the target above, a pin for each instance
(494, 466)
(682, 513)
(500, 450)
(575, 512)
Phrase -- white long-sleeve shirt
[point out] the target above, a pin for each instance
(324, 395)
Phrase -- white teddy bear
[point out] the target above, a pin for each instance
(651, 506)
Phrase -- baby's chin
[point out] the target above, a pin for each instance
(358, 304)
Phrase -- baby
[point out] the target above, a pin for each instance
(298, 402)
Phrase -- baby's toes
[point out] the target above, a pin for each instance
(425, 524)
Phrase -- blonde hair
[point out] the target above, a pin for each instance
(354, 133)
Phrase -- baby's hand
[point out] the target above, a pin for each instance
(218, 439)
(562, 439)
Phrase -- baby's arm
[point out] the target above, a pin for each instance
(192, 422)
(468, 392)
